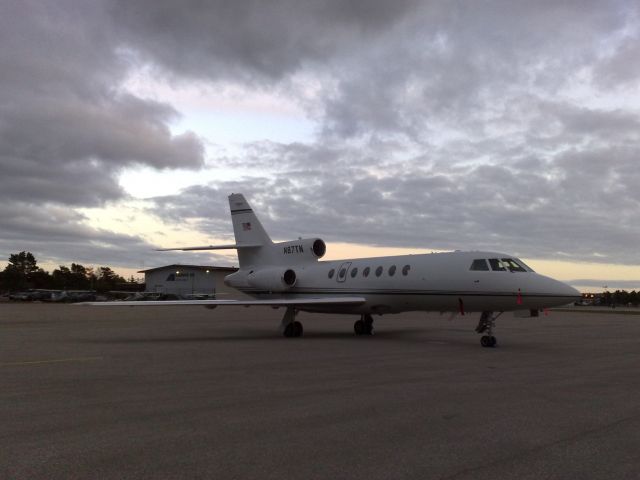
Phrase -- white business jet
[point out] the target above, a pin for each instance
(291, 275)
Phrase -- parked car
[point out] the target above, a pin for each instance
(30, 295)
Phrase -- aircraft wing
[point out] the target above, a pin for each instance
(276, 302)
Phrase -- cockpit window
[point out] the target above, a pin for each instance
(496, 265)
(526, 267)
(479, 264)
(512, 265)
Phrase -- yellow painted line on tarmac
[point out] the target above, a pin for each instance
(45, 362)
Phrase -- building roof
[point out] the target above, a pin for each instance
(177, 266)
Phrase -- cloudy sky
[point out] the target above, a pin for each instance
(383, 127)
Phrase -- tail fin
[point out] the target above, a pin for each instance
(248, 231)
(252, 241)
(246, 227)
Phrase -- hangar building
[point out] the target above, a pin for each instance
(190, 279)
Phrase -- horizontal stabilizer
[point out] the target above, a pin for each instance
(277, 302)
(207, 247)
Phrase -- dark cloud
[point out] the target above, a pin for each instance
(250, 40)
(457, 67)
(66, 129)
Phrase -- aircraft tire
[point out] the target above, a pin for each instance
(292, 330)
(288, 330)
(359, 327)
(368, 324)
(488, 341)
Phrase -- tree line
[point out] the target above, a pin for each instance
(22, 273)
(620, 297)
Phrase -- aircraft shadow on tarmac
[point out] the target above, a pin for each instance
(413, 336)
(263, 335)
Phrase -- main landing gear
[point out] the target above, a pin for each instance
(364, 326)
(290, 326)
(486, 325)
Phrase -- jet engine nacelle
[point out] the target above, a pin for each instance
(305, 249)
(275, 279)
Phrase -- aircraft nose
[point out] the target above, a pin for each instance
(573, 292)
(576, 292)
(562, 292)
(566, 290)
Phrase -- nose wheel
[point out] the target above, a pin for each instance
(488, 341)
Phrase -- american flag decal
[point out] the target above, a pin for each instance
(246, 226)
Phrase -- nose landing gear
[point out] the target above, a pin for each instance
(486, 325)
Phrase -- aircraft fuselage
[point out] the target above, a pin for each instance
(429, 282)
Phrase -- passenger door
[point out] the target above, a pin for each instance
(342, 272)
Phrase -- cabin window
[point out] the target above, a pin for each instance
(354, 272)
(512, 265)
(378, 271)
(479, 264)
(392, 270)
(343, 272)
(405, 270)
(496, 265)
(365, 272)
(331, 272)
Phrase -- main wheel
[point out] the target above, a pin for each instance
(289, 330)
(359, 327)
(297, 329)
(368, 325)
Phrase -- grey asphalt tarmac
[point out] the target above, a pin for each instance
(185, 392)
